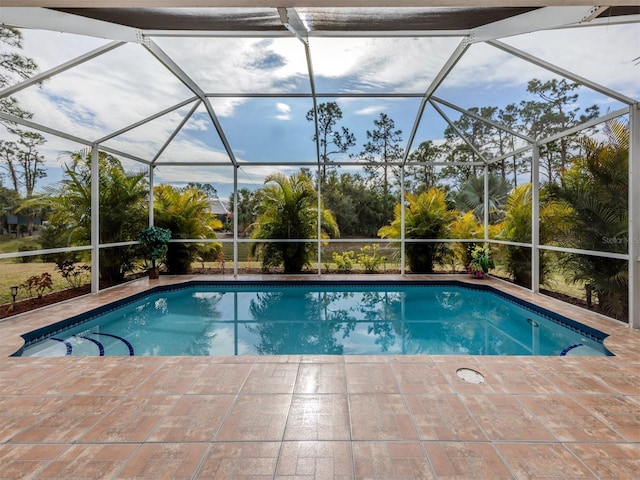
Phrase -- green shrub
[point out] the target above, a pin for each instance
(344, 261)
(75, 275)
(29, 247)
(370, 261)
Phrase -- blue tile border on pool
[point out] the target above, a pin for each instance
(50, 330)
(569, 348)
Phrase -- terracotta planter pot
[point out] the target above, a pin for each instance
(154, 273)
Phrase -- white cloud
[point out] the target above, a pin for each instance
(49, 48)
(200, 125)
(255, 175)
(601, 54)
(284, 111)
(370, 110)
(177, 175)
(239, 65)
(104, 95)
(376, 64)
(194, 150)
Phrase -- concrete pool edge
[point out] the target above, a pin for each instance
(621, 340)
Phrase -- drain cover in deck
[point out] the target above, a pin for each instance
(469, 375)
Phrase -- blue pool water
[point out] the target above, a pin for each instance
(405, 318)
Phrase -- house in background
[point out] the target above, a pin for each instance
(14, 224)
(221, 209)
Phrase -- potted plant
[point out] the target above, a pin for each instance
(481, 262)
(154, 240)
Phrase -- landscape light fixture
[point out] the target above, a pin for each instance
(14, 293)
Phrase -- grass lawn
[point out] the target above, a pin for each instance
(11, 244)
(555, 282)
(17, 273)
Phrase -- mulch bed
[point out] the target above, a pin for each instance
(7, 310)
(573, 301)
(32, 303)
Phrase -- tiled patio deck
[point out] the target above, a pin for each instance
(299, 417)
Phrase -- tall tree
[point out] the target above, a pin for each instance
(477, 133)
(13, 68)
(420, 173)
(359, 209)
(207, 188)
(248, 202)
(339, 195)
(22, 160)
(504, 142)
(18, 156)
(555, 111)
(383, 147)
(8, 151)
(330, 138)
(8, 197)
(30, 160)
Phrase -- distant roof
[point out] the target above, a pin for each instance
(219, 206)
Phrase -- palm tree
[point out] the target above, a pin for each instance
(186, 213)
(426, 217)
(123, 209)
(288, 211)
(463, 227)
(516, 227)
(470, 196)
(555, 219)
(597, 188)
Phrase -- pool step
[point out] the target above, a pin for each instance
(91, 344)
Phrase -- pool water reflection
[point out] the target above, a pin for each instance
(403, 318)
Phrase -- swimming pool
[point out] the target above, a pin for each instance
(345, 318)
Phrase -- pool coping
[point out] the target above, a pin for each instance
(621, 341)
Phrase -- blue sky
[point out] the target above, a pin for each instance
(128, 84)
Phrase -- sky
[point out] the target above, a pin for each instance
(126, 85)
